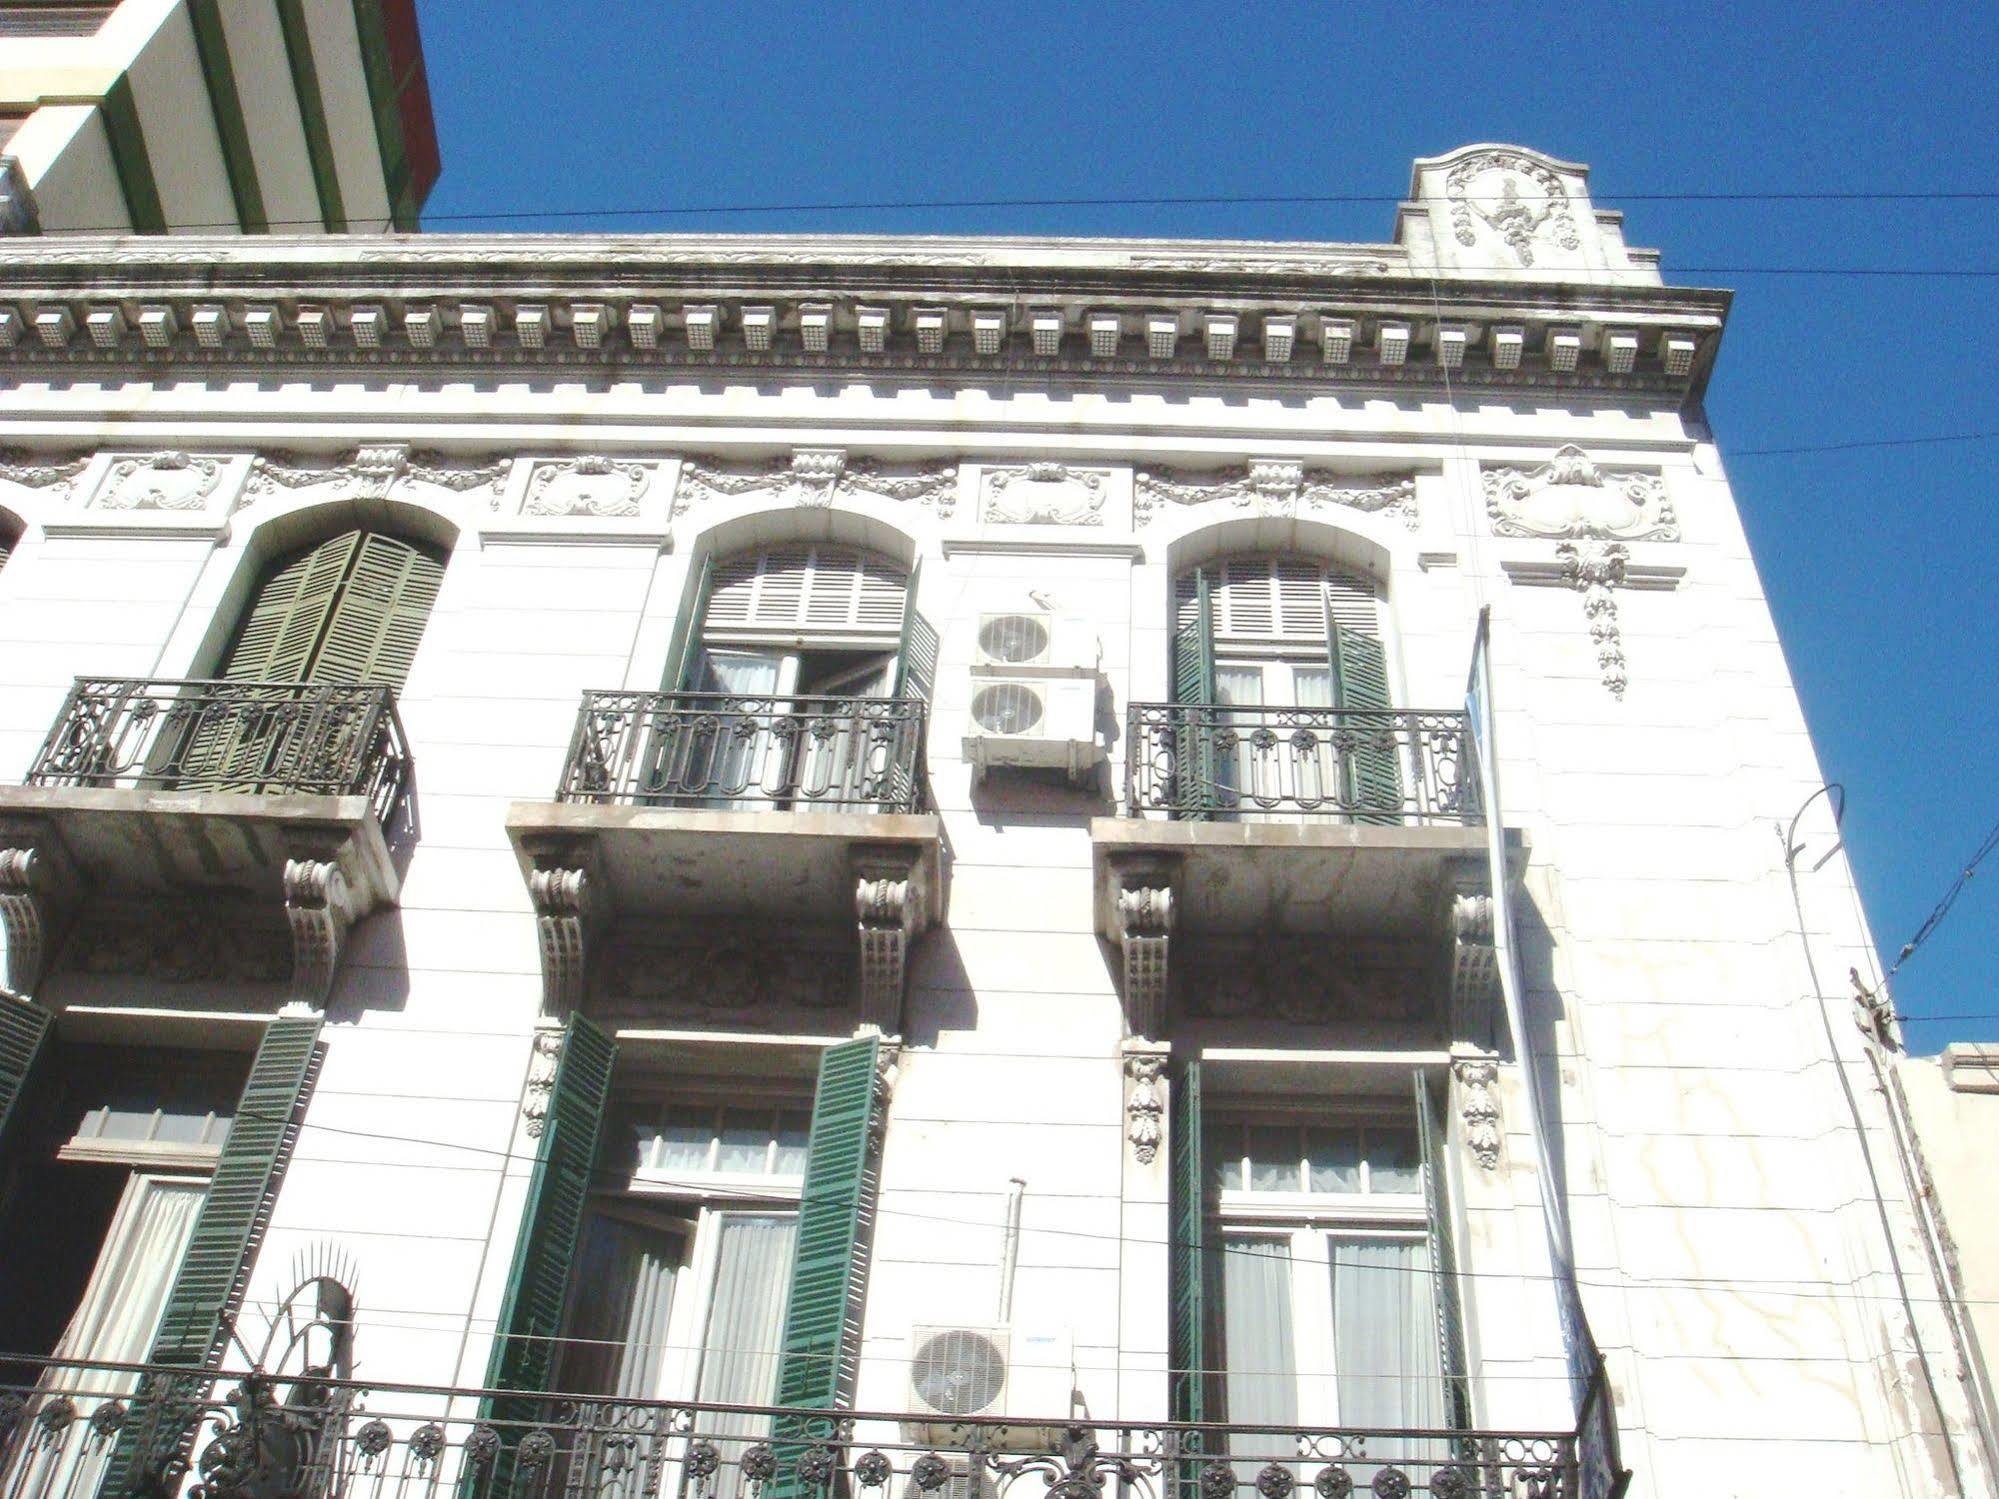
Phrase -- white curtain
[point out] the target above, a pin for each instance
(729, 758)
(617, 1333)
(1317, 768)
(1385, 1340)
(1240, 769)
(740, 1353)
(114, 1324)
(1261, 1361)
(840, 769)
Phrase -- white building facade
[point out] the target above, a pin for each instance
(621, 843)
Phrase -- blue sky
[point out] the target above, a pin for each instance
(1878, 560)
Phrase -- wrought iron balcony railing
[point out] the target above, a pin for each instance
(717, 750)
(1278, 764)
(161, 1431)
(260, 738)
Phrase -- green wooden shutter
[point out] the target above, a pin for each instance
(1443, 1260)
(1372, 771)
(916, 654)
(822, 1314)
(1195, 721)
(683, 651)
(1188, 1267)
(233, 1214)
(378, 619)
(24, 1030)
(283, 624)
(524, 1347)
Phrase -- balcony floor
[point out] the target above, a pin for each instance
(1298, 877)
(672, 862)
(158, 841)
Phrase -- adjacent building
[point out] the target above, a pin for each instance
(620, 845)
(212, 116)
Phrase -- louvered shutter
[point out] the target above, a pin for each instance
(232, 1217)
(790, 589)
(284, 623)
(1187, 1266)
(1443, 1260)
(524, 1348)
(24, 1030)
(822, 1314)
(6, 550)
(1372, 770)
(916, 654)
(378, 619)
(683, 649)
(1194, 697)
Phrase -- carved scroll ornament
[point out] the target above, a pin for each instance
(1571, 498)
(1275, 486)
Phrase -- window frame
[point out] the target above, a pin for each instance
(1307, 1222)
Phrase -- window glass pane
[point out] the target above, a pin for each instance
(1332, 1158)
(792, 1130)
(1314, 686)
(1385, 1336)
(683, 1140)
(1239, 686)
(1273, 1158)
(1392, 1164)
(1262, 1365)
(622, 1291)
(745, 1142)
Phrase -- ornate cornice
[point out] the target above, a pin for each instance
(1086, 309)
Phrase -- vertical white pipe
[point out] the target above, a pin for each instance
(1010, 1246)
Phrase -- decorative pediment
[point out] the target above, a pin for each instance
(160, 481)
(1275, 486)
(586, 486)
(1043, 494)
(375, 471)
(817, 478)
(1571, 497)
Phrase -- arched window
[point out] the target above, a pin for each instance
(344, 612)
(350, 608)
(798, 677)
(1287, 653)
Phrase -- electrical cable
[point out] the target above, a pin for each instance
(1835, 796)
(1774, 1286)
(1943, 906)
(1173, 200)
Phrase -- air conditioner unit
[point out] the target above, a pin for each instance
(1034, 644)
(960, 1372)
(1047, 722)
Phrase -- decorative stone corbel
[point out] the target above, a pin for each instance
(321, 905)
(1478, 1105)
(888, 906)
(1144, 924)
(542, 1064)
(1144, 1100)
(566, 888)
(1474, 959)
(38, 892)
